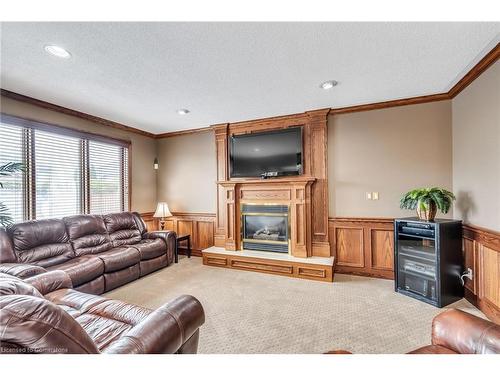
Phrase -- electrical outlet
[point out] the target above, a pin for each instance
(470, 273)
(375, 195)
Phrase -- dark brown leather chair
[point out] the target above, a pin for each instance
(42, 314)
(99, 253)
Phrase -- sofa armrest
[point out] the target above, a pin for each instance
(465, 333)
(170, 238)
(50, 281)
(21, 270)
(165, 330)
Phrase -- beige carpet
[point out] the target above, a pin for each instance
(248, 312)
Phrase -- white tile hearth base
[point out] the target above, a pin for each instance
(270, 255)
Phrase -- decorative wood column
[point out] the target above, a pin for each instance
(316, 139)
(300, 216)
(220, 132)
(231, 214)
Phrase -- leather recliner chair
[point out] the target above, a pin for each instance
(99, 253)
(457, 332)
(42, 314)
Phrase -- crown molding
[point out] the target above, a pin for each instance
(390, 103)
(487, 61)
(72, 112)
(183, 132)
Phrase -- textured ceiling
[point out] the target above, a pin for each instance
(139, 74)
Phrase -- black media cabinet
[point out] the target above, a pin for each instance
(428, 260)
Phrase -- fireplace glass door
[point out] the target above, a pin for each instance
(265, 228)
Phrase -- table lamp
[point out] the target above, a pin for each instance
(162, 212)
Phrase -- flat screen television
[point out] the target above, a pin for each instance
(266, 154)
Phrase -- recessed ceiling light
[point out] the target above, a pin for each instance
(183, 111)
(328, 85)
(57, 51)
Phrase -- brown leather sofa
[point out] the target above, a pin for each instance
(42, 314)
(99, 253)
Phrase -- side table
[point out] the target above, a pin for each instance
(187, 238)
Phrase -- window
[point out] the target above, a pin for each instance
(67, 172)
(57, 175)
(11, 150)
(108, 170)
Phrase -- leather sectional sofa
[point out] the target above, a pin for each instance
(99, 253)
(43, 314)
(49, 267)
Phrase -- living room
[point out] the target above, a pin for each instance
(250, 188)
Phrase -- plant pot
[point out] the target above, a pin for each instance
(426, 212)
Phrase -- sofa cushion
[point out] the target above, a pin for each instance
(151, 248)
(21, 270)
(119, 258)
(88, 234)
(7, 254)
(81, 269)
(41, 242)
(12, 285)
(122, 229)
(104, 320)
(141, 225)
(30, 322)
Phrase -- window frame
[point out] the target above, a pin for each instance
(29, 175)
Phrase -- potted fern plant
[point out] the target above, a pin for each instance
(426, 201)
(7, 170)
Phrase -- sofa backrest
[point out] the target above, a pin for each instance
(122, 228)
(6, 248)
(87, 234)
(41, 242)
(141, 225)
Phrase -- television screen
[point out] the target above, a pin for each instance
(266, 154)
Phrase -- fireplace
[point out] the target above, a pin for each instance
(265, 227)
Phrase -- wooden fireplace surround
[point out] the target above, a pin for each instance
(306, 195)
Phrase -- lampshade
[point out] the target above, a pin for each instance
(162, 210)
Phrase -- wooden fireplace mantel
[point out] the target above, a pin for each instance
(292, 192)
(306, 195)
(276, 180)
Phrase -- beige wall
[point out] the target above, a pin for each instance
(448, 143)
(476, 150)
(187, 173)
(142, 154)
(389, 151)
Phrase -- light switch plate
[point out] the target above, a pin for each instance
(369, 196)
(375, 195)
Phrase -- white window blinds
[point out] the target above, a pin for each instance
(108, 180)
(67, 172)
(57, 175)
(11, 151)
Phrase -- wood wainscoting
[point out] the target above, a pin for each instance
(363, 246)
(200, 226)
(482, 254)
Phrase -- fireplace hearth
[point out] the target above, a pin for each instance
(265, 227)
